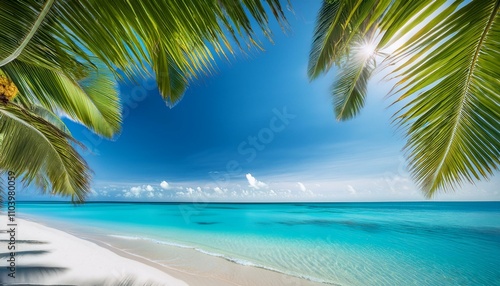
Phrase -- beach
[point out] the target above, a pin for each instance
(249, 143)
(49, 256)
(348, 244)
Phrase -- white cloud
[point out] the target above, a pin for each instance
(190, 191)
(254, 183)
(129, 194)
(304, 189)
(351, 189)
(218, 190)
(136, 192)
(133, 192)
(386, 186)
(164, 185)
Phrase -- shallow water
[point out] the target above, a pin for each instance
(429, 243)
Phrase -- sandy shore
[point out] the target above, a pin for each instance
(49, 256)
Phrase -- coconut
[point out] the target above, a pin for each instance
(8, 89)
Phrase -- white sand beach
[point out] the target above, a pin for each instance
(49, 256)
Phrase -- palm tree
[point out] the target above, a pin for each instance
(64, 57)
(446, 64)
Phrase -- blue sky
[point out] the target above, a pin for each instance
(256, 130)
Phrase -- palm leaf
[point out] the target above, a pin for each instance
(53, 51)
(50, 117)
(92, 101)
(350, 87)
(339, 25)
(400, 17)
(20, 25)
(175, 38)
(37, 149)
(448, 74)
(451, 85)
(13, 47)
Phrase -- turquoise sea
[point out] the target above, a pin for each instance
(418, 243)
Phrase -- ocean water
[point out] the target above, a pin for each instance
(422, 243)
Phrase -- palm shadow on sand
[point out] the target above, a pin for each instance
(26, 272)
(38, 273)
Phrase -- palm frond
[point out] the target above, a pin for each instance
(19, 22)
(33, 147)
(26, 39)
(176, 38)
(451, 87)
(51, 117)
(448, 75)
(54, 51)
(92, 101)
(338, 25)
(350, 87)
(400, 17)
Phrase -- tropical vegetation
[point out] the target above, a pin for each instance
(65, 57)
(444, 60)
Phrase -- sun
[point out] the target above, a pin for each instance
(367, 49)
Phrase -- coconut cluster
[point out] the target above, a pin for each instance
(8, 89)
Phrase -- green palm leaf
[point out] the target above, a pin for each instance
(339, 26)
(21, 27)
(50, 117)
(350, 87)
(41, 152)
(17, 37)
(448, 75)
(59, 54)
(452, 122)
(175, 38)
(400, 17)
(92, 101)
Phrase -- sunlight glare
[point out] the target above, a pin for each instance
(368, 49)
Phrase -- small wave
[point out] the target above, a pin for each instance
(125, 237)
(220, 255)
(151, 240)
